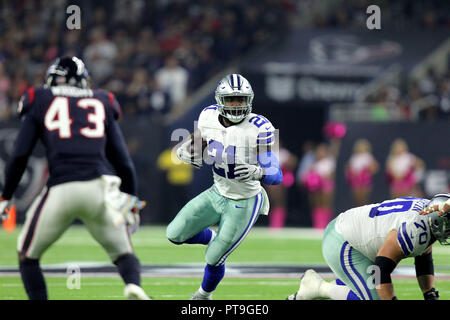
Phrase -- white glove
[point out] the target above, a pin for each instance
(443, 208)
(247, 172)
(185, 155)
(4, 207)
(129, 207)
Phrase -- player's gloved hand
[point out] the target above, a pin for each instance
(128, 207)
(185, 154)
(4, 207)
(432, 294)
(133, 218)
(442, 208)
(248, 172)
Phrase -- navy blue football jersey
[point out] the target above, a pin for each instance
(79, 130)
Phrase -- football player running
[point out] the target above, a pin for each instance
(78, 127)
(363, 245)
(237, 143)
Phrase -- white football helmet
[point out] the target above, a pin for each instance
(237, 86)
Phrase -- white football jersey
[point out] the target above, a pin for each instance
(366, 228)
(237, 144)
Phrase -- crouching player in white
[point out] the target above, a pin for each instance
(364, 245)
(237, 143)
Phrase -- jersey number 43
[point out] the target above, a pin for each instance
(58, 117)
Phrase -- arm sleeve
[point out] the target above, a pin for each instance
(117, 154)
(17, 163)
(272, 171)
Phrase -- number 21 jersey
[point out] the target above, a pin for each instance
(236, 144)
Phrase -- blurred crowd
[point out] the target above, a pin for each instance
(399, 15)
(427, 98)
(151, 54)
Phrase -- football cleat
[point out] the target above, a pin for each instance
(309, 286)
(292, 296)
(134, 292)
(201, 296)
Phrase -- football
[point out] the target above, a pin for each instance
(195, 145)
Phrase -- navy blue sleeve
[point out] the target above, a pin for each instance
(117, 154)
(23, 147)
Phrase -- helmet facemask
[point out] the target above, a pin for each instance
(234, 85)
(440, 227)
(235, 113)
(439, 223)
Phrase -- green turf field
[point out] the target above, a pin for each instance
(262, 246)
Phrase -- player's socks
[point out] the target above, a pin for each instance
(33, 279)
(277, 218)
(203, 237)
(213, 275)
(129, 268)
(351, 295)
(336, 291)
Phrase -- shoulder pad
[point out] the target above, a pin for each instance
(413, 237)
(26, 101)
(206, 112)
(265, 129)
(211, 107)
(114, 105)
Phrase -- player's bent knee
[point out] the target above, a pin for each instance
(174, 235)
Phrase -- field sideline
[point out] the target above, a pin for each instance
(266, 266)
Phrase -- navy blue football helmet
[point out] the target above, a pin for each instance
(67, 71)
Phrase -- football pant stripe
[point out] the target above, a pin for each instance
(352, 274)
(34, 220)
(255, 213)
(361, 279)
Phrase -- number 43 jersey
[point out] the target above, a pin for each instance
(366, 227)
(230, 146)
(74, 125)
